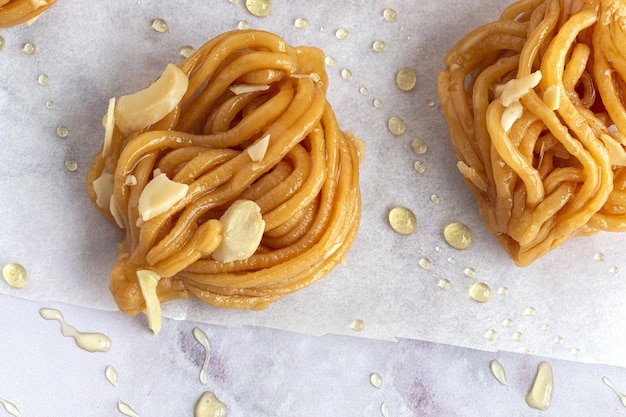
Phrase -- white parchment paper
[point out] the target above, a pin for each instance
(567, 305)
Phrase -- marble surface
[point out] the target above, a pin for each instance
(260, 372)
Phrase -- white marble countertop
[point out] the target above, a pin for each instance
(263, 372)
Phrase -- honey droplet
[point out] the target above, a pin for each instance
(480, 292)
(29, 48)
(444, 284)
(243, 25)
(71, 165)
(575, 352)
(91, 342)
(425, 263)
(518, 336)
(203, 339)
(396, 126)
(357, 325)
(539, 396)
(379, 46)
(62, 132)
(233, 1)
(435, 199)
(503, 291)
(11, 408)
(208, 405)
(43, 79)
(598, 257)
(384, 409)
(430, 102)
(126, 409)
(2, 43)
(419, 167)
(498, 371)
(342, 33)
(491, 335)
(15, 275)
(330, 61)
(376, 380)
(187, 51)
(259, 8)
(438, 249)
(406, 79)
(620, 395)
(402, 220)
(469, 272)
(111, 375)
(451, 260)
(390, 15)
(301, 23)
(377, 103)
(160, 25)
(364, 91)
(545, 327)
(558, 340)
(419, 147)
(507, 323)
(613, 270)
(346, 74)
(50, 105)
(458, 235)
(530, 311)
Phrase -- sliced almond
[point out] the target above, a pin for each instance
(552, 97)
(243, 229)
(148, 281)
(38, 3)
(146, 107)
(511, 114)
(239, 89)
(115, 212)
(617, 154)
(109, 126)
(130, 180)
(159, 195)
(258, 149)
(518, 87)
(103, 187)
(472, 174)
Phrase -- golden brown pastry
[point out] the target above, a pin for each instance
(535, 109)
(228, 178)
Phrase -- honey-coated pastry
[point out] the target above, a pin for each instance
(535, 109)
(15, 12)
(228, 178)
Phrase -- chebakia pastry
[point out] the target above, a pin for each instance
(228, 178)
(535, 108)
(15, 12)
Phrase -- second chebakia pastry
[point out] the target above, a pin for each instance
(536, 113)
(228, 178)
